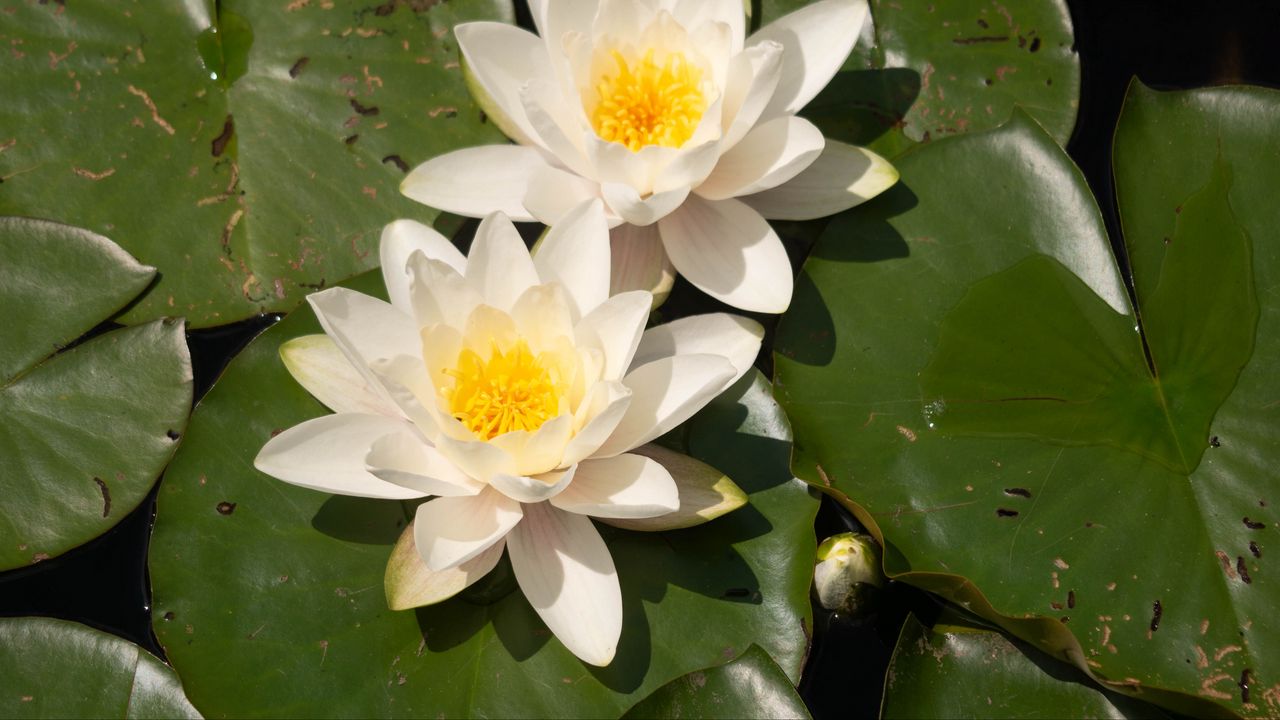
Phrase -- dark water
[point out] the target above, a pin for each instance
(1167, 43)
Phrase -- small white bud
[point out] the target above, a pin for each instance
(846, 564)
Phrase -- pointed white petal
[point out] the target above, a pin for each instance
(615, 327)
(607, 404)
(537, 488)
(556, 124)
(665, 393)
(327, 454)
(365, 329)
(691, 164)
(474, 182)
(816, 40)
(842, 177)
(771, 154)
(404, 381)
(409, 583)
(449, 531)
(474, 457)
(734, 337)
(752, 80)
(399, 240)
(319, 366)
(567, 575)
(693, 13)
(729, 252)
(554, 192)
(705, 493)
(627, 203)
(625, 486)
(639, 262)
(500, 58)
(575, 253)
(539, 451)
(438, 293)
(404, 459)
(543, 315)
(499, 267)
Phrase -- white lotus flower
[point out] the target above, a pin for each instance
(684, 127)
(515, 392)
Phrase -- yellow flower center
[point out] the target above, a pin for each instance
(647, 103)
(509, 391)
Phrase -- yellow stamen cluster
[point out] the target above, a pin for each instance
(512, 390)
(649, 103)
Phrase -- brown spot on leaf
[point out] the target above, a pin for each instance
(226, 508)
(219, 144)
(106, 496)
(363, 109)
(298, 66)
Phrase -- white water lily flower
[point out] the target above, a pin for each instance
(682, 125)
(516, 393)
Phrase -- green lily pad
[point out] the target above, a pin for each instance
(751, 686)
(953, 671)
(87, 430)
(964, 368)
(249, 150)
(257, 578)
(926, 70)
(58, 669)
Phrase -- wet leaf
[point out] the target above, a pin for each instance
(962, 367)
(925, 70)
(287, 583)
(87, 430)
(57, 669)
(951, 671)
(249, 150)
(751, 686)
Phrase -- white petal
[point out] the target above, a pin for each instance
(615, 327)
(327, 454)
(729, 252)
(606, 405)
(753, 78)
(499, 267)
(404, 459)
(438, 293)
(409, 583)
(734, 337)
(554, 18)
(665, 393)
(842, 177)
(693, 13)
(476, 458)
(690, 166)
(639, 262)
(567, 575)
(406, 384)
(533, 489)
(575, 253)
(449, 531)
(539, 451)
(627, 203)
(626, 486)
(705, 493)
(543, 315)
(319, 366)
(474, 182)
(500, 58)
(623, 19)
(816, 40)
(365, 329)
(399, 240)
(771, 154)
(554, 192)
(556, 125)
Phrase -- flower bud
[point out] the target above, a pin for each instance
(848, 565)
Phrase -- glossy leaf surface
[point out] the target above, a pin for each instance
(961, 363)
(964, 671)
(926, 70)
(248, 150)
(257, 578)
(86, 431)
(59, 669)
(750, 686)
